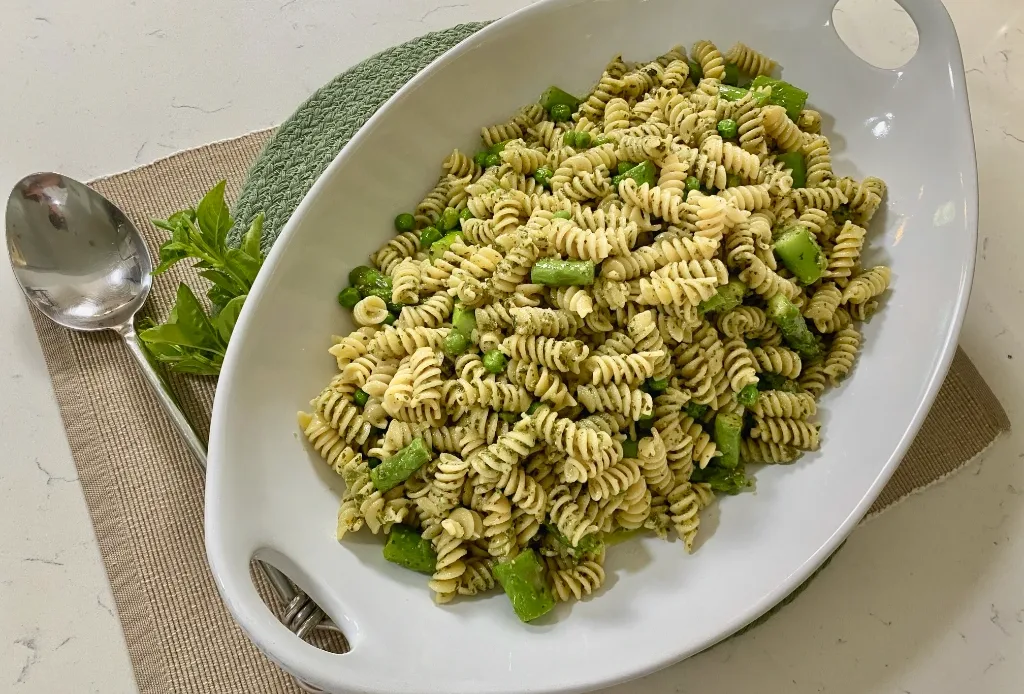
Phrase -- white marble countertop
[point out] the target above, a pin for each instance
(927, 598)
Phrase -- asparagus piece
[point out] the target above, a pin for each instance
(800, 252)
(723, 480)
(553, 272)
(629, 448)
(438, 248)
(797, 165)
(727, 438)
(406, 548)
(794, 329)
(553, 96)
(525, 585)
(399, 467)
(644, 172)
(696, 411)
(464, 320)
(784, 94)
(725, 299)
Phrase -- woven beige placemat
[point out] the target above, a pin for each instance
(146, 496)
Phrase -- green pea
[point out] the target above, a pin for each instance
(390, 320)
(561, 112)
(492, 160)
(494, 361)
(624, 166)
(429, 235)
(692, 183)
(543, 175)
(601, 140)
(360, 397)
(497, 147)
(455, 343)
(373, 462)
(449, 219)
(562, 214)
(583, 140)
(361, 274)
(728, 128)
(405, 222)
(348, 297)
(465, 214)
(480, 158)
(569, 139)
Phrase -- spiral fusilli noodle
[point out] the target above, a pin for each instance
(549, 416)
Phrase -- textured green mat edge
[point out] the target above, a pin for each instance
(309, 140)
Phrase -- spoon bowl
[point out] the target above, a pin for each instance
(78, 257)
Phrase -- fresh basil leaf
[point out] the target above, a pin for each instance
(162, 224)
(243, 265)
(192, 320)
(218, 297)
(251, 242)
(169, 333)
(198, 365)
(227, 283)
(213, 217)
(171, 252)
(225, 320)
(166, 352)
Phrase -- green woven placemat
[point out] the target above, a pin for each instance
(308, 141)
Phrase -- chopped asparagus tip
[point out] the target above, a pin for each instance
(644, 172)
(732, 75)
(464, 320)
(784, 94)
(480, 158)
(525, 583)
(438, 248)
(801, 254)
(797, 165)
(725, 299)
(794, 329)
(399, 467)
(553, 96)
(553, 272)
(407, 548)
(729, 93)
(727, 438)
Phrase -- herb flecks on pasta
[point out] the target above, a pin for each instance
(595, 323)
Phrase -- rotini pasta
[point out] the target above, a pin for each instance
(582, 325)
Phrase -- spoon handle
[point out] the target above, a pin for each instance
(307, 614)
(164, 394)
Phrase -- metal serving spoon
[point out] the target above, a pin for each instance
(84, 265)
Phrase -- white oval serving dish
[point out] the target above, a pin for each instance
(268, 495)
